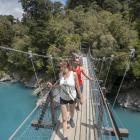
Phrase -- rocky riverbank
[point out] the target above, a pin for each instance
(130, 100)
(129, 96)
(29, 82)
(17, 77)
(5, 77)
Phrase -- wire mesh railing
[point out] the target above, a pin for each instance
(41, 122)
(104, 121)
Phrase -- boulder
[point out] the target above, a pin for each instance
(5, 77)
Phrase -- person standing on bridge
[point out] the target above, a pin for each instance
(80, 71)
(68, 86)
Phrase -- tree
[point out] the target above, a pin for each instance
(71, 4)
(37, 9)
(6, 32)
(113, 6)
(135, 9)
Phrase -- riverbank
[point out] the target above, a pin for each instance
(129, 94)
(29, 82)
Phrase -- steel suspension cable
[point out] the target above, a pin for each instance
(31, 58)
(15, 132)
(111, 60)
(98, 62)
(34, 54)
(108, 111)
(37, 106)
(102, 64)
(101, 103)
(12, 136)
(52, 63)
(131, 55)
(125, 72)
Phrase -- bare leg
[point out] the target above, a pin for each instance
(68, 112)
(78, 105)
(64, 119)
(72, 109)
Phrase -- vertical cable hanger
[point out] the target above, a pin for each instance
(31, 58)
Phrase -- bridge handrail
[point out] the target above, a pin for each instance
(46, 96)
(113, 123)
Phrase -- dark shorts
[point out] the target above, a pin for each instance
(66, 101)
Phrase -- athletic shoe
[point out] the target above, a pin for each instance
(77, 108)
(65, 138)
(72, 124)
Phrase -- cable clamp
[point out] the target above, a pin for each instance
(30, 54)
(132, 53)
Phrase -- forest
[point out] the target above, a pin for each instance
(50, 28)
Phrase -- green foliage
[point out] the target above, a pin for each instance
(112, 6)
(49, 29)
(136, 68)
(135, 9)
(6, 32)
(74, 3)
(37, 9)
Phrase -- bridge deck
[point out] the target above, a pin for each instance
(84, 119)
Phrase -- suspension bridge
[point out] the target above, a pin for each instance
(94, 121)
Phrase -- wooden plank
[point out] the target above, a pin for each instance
(88, 111)
(57, 133)
(83, 125)
(123, 132)
(36, 124)
(92, 135)
(83, 116)
(78, 124)
(90, 124)
(71, 131)
(94, 119)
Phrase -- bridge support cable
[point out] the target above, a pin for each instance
(106, 78)
(102, 64)
(101, 119)
(48, 100)
(16, 131)
(129, 58)
(114, 126)
(31, 58)
(98, 105)
(52, 63)
(124, 75)
(34, 54)
(110, 116)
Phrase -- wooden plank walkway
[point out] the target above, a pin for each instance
(84, 119)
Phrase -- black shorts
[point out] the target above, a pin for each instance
(66, 101)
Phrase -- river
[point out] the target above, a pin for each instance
(16, 102)
(130, 120)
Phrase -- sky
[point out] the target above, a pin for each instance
(13, 7)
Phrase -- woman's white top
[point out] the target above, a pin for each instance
(67, 87)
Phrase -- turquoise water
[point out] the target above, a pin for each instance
(130, 120)
(16, 102)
